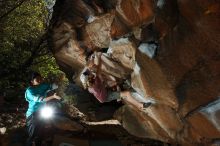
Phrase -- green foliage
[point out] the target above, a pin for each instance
(23, 44)
(24, 23)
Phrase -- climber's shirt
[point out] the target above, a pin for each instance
(98, 90)
(101, 93)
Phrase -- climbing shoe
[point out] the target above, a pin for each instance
(146, 105)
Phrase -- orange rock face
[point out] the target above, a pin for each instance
(181, 76)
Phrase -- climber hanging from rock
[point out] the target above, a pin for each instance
(95, 85)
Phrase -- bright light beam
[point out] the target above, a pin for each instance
(46, 112)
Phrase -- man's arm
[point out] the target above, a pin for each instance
(54, 96)
(30, 97)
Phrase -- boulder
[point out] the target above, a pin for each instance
(135, 12)
(123, 50)
(179, 75)
(97, 33)
(143, 125)
(206, 119)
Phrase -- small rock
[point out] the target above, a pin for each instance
(148, 49)
(3, 130)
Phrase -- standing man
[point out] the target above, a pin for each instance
(36, 95)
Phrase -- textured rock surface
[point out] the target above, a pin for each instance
(183, 77)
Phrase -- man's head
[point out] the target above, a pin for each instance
(86, 78)
(36, 79)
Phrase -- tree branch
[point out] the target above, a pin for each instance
(12, 9)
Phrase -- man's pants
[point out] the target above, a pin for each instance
(33, 128)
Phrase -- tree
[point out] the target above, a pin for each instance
(23, 34)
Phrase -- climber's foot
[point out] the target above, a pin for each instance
(146, 105)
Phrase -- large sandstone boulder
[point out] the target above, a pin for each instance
(181, 77)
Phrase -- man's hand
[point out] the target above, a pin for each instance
(56, 96)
